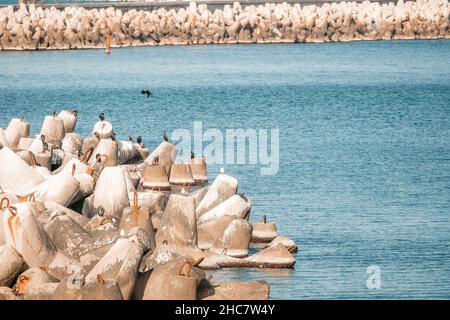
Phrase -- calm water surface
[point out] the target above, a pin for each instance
(364, 173)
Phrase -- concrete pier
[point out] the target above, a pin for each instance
(79, 27)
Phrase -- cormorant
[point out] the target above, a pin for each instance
(139, 139)
(130, 138)
(192, 155)
(146, 93)
(101, 116)
(165, 137)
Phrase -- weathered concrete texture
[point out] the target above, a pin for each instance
(75, 27)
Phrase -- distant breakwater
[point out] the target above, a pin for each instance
(35, 28)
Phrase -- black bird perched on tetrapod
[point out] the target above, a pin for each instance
(101, 116)
(165, 137)
(146, 93)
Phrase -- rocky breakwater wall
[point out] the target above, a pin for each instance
(35, 28)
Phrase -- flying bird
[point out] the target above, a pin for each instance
(146, 93)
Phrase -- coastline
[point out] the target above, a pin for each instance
(35, 28)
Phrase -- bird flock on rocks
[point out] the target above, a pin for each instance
(103, 218)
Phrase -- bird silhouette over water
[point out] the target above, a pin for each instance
(146, 93)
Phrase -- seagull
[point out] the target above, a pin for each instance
(101, 116)
(222, 170)
(146, 93)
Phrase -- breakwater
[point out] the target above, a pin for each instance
(35, 28)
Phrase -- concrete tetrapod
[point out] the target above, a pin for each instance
(223, 187)
(179, 223)
(164, 155)
(15, 174)
(69, 120)
(175, 280)
(181, 175)
(139, 217)
(77, 289)
(12, 264)
(53, 128)
(35, 284)
(154, 177)
(235, 240)
(264, 231)
(212, 224)
(17, 128)
(120, 263)
(111, 192)
(199, 170)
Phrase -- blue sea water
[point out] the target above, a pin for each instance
(364, 174)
